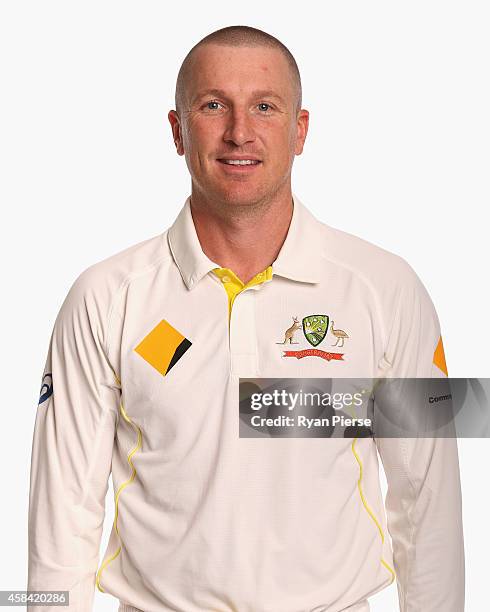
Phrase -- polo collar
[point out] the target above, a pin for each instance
(297, 259)
(186, 249)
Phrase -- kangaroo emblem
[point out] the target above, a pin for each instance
(289, 333)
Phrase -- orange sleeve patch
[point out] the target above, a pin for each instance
(439, 358)
(163, 347)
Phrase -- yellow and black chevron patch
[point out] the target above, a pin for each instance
(163, 347)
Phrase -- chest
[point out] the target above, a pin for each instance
(183, 348)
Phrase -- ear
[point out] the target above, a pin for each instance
(176, 126)
(302, 123)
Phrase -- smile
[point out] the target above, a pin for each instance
(240, 162)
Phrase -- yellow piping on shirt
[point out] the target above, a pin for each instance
(369, 511)
(124, 484)
(133, 474)
(363, 498)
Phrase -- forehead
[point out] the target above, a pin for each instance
(238, 70)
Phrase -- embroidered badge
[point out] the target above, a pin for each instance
(289, 333)
(340, 334)
(315, 329)
(163, 347)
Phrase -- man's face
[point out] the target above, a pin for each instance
(240, 103)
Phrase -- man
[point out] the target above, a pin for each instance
(142, 375)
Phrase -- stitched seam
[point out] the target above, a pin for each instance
(369, 511)
(94, 464)
(395, 316)
(409, 518)
(371, 289)
(127, 280)
(119, 491)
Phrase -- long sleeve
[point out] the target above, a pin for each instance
(423, 502)
(71, 451)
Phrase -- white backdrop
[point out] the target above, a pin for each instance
(397, 152)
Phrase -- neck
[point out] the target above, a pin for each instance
(245, 238)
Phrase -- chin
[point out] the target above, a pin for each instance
(243, 195)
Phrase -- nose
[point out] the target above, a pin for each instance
(239, 129)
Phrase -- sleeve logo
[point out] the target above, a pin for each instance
(46, 388)
(439, 358)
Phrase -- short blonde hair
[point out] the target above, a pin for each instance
(237, 36)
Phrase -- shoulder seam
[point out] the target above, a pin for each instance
(371, 288)
(395, 314)
(126, 281)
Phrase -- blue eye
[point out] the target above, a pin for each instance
(264, 104)
(212, 102)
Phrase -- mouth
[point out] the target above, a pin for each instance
(240, 162)
(236, 165)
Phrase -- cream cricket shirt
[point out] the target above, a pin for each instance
(141, 379)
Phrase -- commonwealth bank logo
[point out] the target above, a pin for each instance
(163, 347)
(439, 358)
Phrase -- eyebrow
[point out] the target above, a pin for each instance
(258, 93)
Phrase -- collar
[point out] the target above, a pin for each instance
(297, 259)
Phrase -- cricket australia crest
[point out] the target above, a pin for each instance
(315, 328)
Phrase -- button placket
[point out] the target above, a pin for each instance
(242, 335)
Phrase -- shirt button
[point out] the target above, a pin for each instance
(225, 279)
